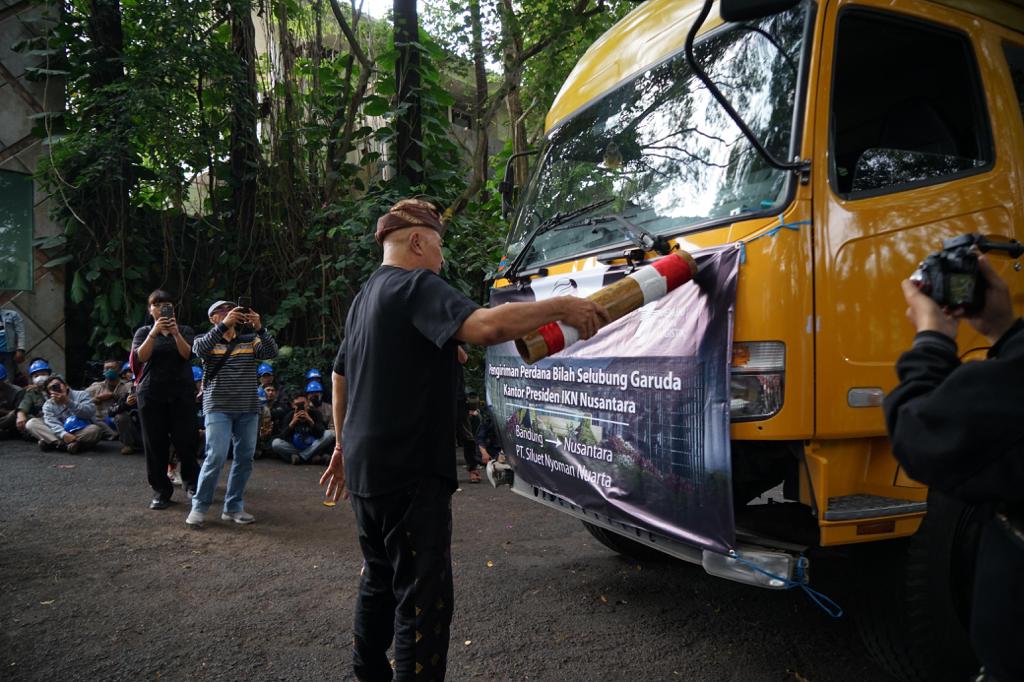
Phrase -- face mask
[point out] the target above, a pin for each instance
(40, 380)
(110, 374)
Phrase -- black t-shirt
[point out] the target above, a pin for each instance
(400, 365)
(167, 373)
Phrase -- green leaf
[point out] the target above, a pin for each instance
(78, 288)
(61, 260)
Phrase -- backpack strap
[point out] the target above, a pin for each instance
(220, 363)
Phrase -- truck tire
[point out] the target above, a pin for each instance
(914, 595)
(623, 545)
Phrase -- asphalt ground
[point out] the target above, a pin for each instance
(96, 586)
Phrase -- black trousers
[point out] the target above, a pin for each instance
(997, 611)
(405, 590)
(165, 421)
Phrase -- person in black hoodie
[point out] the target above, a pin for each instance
(959, 428)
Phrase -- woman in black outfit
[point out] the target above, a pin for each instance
(166, 397)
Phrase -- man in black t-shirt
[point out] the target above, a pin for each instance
(394, 390)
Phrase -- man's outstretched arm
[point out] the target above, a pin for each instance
(489, 326)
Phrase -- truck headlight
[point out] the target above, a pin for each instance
(757, 379)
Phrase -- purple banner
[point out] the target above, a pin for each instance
(633, 423)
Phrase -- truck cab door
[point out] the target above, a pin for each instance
(915, 152)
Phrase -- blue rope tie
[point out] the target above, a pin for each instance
(783, 225)
(830, 607)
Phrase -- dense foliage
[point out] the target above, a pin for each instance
(217, 148)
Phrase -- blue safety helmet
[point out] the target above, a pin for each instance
(313, 374)
(125, 367)
(264, 368)
(3, 372)
(262, 395)
(74, 423)
(314, 387)
(39, 366)
(302, 440)
(197, 373)
(109, 421)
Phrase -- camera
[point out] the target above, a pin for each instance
(952, 277)
(166, 310)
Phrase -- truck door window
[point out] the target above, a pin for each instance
(907, 108)
(1015, 60)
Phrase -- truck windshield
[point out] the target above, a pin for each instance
(664, 152)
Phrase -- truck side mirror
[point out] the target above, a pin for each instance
(745, 10)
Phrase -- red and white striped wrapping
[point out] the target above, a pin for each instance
(645, 285)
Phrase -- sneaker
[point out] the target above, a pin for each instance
(73, 447)
(195, 519)
(127, 450)
(474, 476)
(46, 447)
(239, 516)
(190, 493)
(296, 459)
(176, 478)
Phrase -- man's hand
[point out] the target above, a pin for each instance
(334, 476)
(105, 395)
(131, 400)
(236, 316)
(19, 356)
(585, 315)
(20, 421)
(172, 327)
(925, 314)
(294, 420)
(997, 316)
(69, 437)
(255, 320)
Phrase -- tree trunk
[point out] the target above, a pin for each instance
(106, 69)
(409, 153)
(244, 143)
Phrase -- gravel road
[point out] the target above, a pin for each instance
(95, 586)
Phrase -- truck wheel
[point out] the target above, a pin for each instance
(914, 595)
(623, 545)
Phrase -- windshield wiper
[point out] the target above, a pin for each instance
(638, 235)
(547, 225)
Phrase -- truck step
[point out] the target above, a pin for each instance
(849, 507)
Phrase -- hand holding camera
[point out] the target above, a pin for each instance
(958, 283)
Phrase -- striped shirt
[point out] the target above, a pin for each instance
(233, 387)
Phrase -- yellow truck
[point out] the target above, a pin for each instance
(862, 133)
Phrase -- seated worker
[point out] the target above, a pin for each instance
(68, 415)
(266, 430)
(106, 394)
(10, 398)
(125, 415)
(197, 379)
(265, 374)
(277, 412)
(315, 395)
(304, 439)
(314, 375)
(30, 409)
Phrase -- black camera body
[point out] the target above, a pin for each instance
(952, 277)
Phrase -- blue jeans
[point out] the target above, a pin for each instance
(223, 428)
(285, 449)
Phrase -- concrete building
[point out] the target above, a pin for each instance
(26, 284)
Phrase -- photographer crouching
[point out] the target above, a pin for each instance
(959, 428)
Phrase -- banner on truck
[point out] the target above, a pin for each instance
(632, 424)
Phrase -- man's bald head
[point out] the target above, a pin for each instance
(412, 248)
